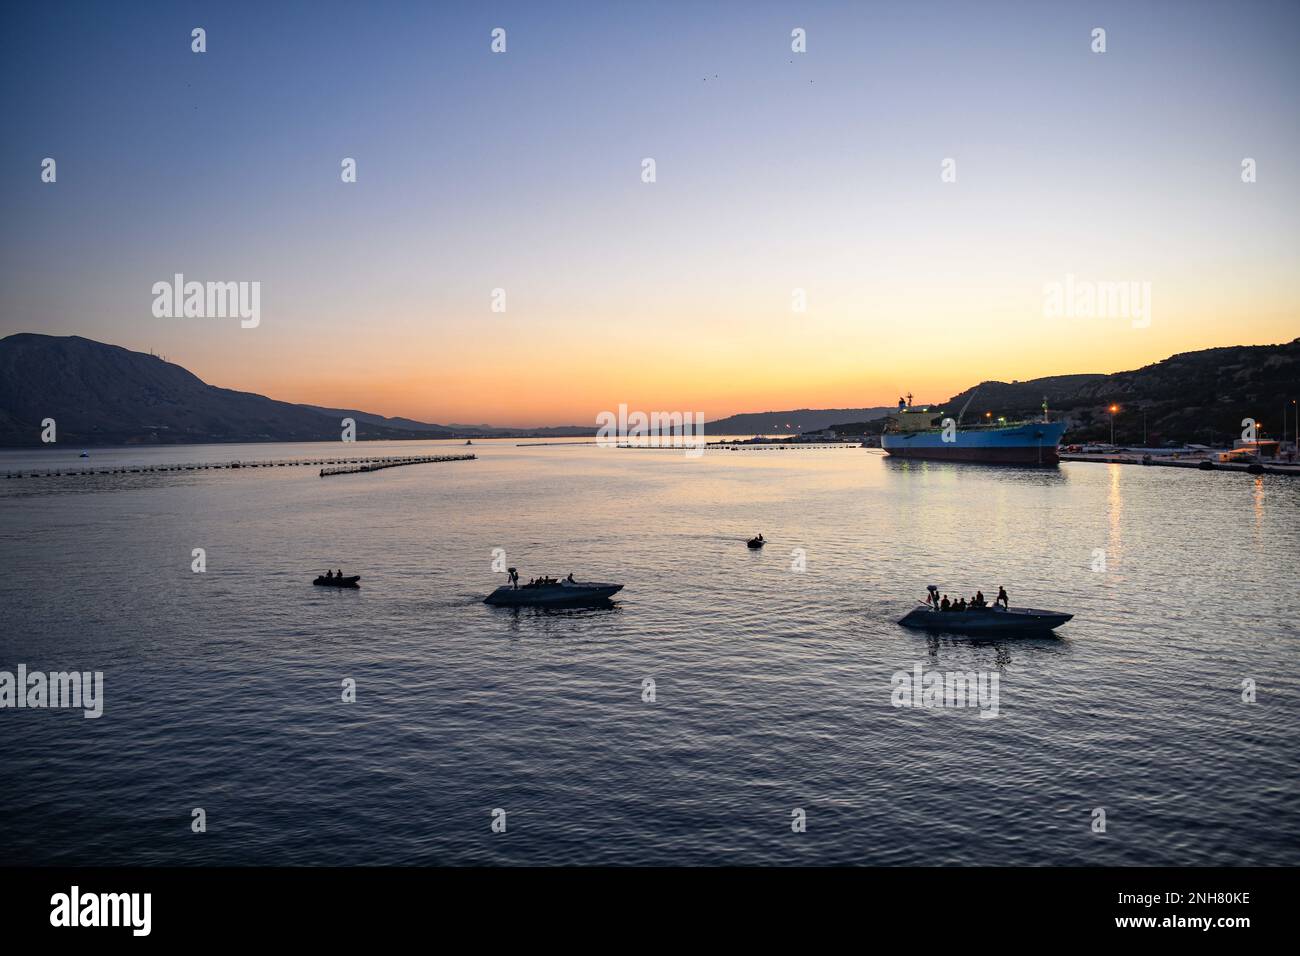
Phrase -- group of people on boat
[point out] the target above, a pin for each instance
(330, 575)
(537, 582)
(976, 603)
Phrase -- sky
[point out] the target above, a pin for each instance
(775, 171)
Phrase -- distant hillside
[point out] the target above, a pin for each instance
(105, 395)
(425, 430)
(1194, 396)
(790, 422)
(989, 396)
(1191, 397)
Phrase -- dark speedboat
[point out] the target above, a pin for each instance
(756, 542)
(563, 593)
(985, 620)
(339, 582)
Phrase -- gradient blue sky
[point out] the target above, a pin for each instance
(775, 171)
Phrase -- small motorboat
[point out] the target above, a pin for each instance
(339, 582)
(756, 543)
(985, 620)
(84, 454)
(564, 593)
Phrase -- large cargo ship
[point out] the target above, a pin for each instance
(921, 433)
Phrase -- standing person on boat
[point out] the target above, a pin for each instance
(1001, 598)
(513, 576)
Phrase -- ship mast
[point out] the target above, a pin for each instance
(962, 413)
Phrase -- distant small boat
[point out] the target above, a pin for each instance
(560, 594)
(988, 620)
(756, 542)
(84, 454)
(339, 582)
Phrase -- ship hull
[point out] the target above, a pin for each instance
(1033, 443)
(552, 595)
(985, 620)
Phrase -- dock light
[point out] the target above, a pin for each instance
(1113, 410)
(988, 414)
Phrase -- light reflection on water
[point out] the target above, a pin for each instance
(772, 687)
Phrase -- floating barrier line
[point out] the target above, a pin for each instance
(373, 463)
(388, 463)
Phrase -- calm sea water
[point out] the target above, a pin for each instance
(772, 688)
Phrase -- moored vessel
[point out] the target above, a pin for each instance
(925, 433)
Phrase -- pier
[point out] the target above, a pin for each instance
(1202, 463)
(667, 443)
(344, 466)
(752, 446)
(780, 446)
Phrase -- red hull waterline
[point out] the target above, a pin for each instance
(1029, 455)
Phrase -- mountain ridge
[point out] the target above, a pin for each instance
(1200, 396)
(101, 394)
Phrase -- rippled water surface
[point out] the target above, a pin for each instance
(772, 688)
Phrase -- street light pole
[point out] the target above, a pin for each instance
(1296, 437)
